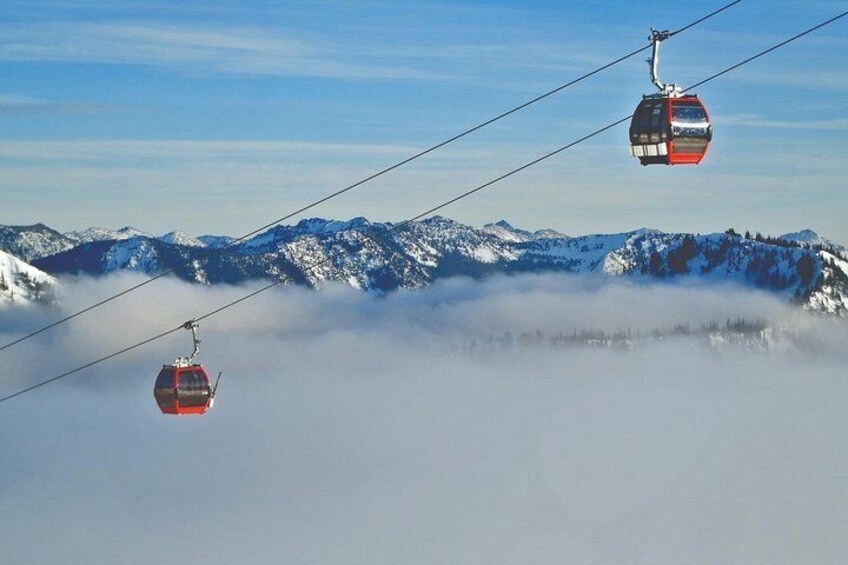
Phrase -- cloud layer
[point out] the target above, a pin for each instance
(344, 434)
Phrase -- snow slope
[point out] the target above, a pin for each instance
(21, 283)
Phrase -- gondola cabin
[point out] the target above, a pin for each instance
(669, 130)
(183, 390)
(183, 387)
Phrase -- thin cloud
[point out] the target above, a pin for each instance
(802, 78)
(10, 104)
(257, 50)
(238, 50)
(183, 149)
(754, 121)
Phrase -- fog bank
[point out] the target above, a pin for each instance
(343, 433)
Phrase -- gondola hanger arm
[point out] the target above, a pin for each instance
(185, 361)
(657, 37)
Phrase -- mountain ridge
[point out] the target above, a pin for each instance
(382, 257)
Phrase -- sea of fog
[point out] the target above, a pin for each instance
(350, 428)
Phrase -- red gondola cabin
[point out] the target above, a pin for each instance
(183, 390)
(669, 130)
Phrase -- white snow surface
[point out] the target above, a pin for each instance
(830, 299)
(21, 283)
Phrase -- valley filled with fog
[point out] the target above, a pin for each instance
(353, 428)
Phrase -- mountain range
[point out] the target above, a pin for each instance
(381, 257)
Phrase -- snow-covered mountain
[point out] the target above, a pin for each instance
(33, 242)
(105, 234)
(21, 283)
(175, 237)
(811, 239)
(503, 230)
(182, 238)
(384, 256)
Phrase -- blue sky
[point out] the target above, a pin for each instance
(217, 116)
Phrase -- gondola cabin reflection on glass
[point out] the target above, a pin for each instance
(183, 387)
(669, 127)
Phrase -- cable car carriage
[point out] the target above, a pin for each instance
(184, 387)
(669, 127)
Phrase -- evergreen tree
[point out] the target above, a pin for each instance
(805, 268)
(656, 264)
(679, 257)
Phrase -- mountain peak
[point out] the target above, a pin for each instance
(181, 238)
(642, 232)
(321, 225)
(503, 230)
(507, 232)
(809, 237)
(129, 231)
(95, 233)
(33, 241)
(807, 233)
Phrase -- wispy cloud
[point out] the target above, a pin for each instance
(754, 121)
(242, 50)
(261, 50)
(25, 105)
(826, 79)
(184, 149)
